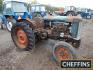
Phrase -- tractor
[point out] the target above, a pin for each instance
(70, 11)
(85, 13)
(37, 10)
(12, 11)
(26, 33)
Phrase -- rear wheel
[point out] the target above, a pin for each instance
(63, 51)
(70, 14)
(23, 36)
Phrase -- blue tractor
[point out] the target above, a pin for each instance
(13, 11)
(26, 32)
(85, 13)
(65, 30)
(38, 10)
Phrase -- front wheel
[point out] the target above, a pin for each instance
(63, 51)
(10, 23)
(88, 17)
(1, 26)
(23, 36)
(9, 26)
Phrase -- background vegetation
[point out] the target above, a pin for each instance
(51, 8)
(1, 3)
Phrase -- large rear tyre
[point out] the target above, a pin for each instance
(63, 51)
(71, 13)
(23, 36)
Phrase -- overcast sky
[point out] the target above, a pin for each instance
(77, 3)
(63, 3)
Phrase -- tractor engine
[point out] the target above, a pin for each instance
(51, 29)
(58, 30)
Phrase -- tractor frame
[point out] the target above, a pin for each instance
(26, 32)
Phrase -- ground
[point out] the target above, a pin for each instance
(12, 58)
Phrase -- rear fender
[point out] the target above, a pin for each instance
(31, 23)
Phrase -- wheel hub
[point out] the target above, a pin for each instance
(62, 53)
(22, 38)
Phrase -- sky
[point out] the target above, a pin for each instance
(63, 3)
(77, 3)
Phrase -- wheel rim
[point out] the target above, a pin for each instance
(9, 26)
(22, 40)
(62, 53)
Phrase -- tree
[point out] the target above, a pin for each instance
(51, 8)
(1, 4)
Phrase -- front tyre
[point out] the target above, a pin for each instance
(9, 26)
(23, 36)
(10, 23)
(63, 51)
(1, 26)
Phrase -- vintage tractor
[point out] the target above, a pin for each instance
(85, 13)
(70, 11)
(13, 11)
(37, 10)
(66, 29)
